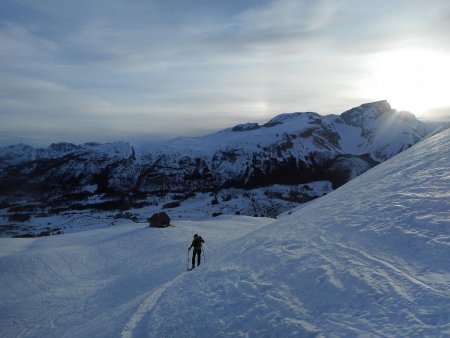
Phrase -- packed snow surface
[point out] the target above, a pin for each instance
(369, 259)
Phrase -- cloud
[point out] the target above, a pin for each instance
(29, 106)
(19, 47)
(124, 68)
(437, 114)
(33, 108)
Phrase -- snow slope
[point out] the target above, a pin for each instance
(369, 259)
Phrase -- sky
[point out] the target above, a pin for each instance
(90, 70)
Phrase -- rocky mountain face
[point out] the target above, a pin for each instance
(290, 149)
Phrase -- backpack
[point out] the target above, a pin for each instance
(197, 242)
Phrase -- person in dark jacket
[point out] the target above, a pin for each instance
(197, 245)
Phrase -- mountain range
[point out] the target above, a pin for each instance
(293, 149)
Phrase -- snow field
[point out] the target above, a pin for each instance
(99, 282)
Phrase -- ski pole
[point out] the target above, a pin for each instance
(187, 264)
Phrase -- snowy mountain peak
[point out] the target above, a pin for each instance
(311, 116)
(16, 153)
(366, 112)
(21, 153)
(246, 127)
(62, 147)
(382, 105)
(115, 149)
(308, 117)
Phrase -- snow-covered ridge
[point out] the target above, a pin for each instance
(18, 153)
(367, 112)
(360, 125)
(287, 116)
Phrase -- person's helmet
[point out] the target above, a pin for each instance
(195, 235)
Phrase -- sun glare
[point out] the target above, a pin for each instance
(414, 80)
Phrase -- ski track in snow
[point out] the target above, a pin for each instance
(145, 308)
(388, 266)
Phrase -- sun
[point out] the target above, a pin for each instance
(416, 80)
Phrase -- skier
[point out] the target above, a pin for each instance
(197, 245)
